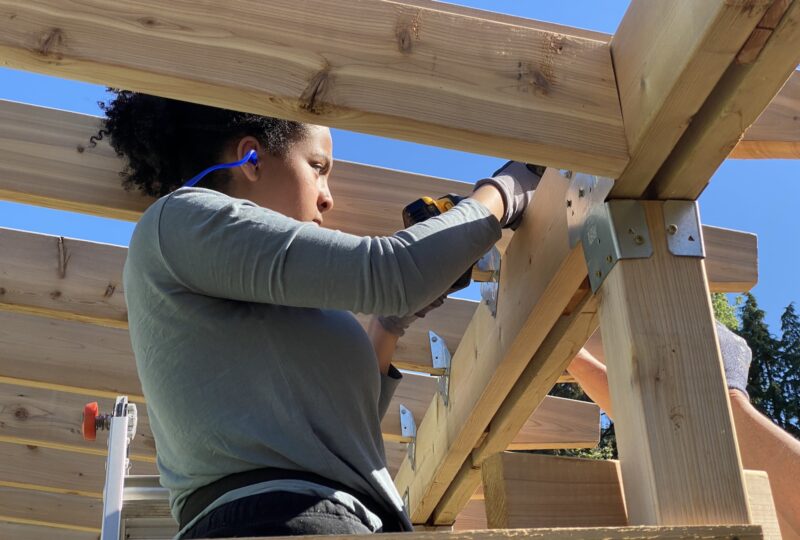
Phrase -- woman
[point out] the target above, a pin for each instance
(263, 392)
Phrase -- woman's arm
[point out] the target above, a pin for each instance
(230, 248)
(384, 343)
(763, 445)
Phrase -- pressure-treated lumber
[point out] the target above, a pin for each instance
(59, 469)
(668, 57)
(32, 413)
(680, 460)
(738, 99)
(529, 490)
(25, 530)
(494, 351)
(67, 509)
(776, 133)
(380, 67)
(565, 339)
(762, 504)
(742, 532)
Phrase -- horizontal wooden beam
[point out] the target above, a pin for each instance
(776, 133)
(40, 506)
(738, 99)
(414, 72)
(26, 529)
(668, 57)
(526, 490)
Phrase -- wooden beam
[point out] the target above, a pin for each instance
(494, 351)
(531, 94)
(59, 469)
(776, 133)
(762, 504)
(559, 423)
(742, 532)
(555, 353)
(668, 57)
(31, 413)
(739, 98)
(71, 510)
(680, 460)
(26, 530)
(529, 490)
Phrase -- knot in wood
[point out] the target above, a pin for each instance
(21, 413)
(313, 97)
(50, 42)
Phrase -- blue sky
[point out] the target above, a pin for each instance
(755, 196)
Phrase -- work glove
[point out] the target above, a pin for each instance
(399, 325)
(736, 358)
(516, 182)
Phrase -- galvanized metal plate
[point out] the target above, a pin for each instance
(683, 229)
(585, 191)
(613, 231)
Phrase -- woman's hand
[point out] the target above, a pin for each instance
(515, 182)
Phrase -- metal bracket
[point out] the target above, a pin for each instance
(584, 192)
(614, 230)
(489, 264)
(408, 428)
(684, 232)
(440, 357)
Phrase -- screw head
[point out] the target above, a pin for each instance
(609, 258)
(598, 273)
(672, 229)
(639, 239)
(434, 339)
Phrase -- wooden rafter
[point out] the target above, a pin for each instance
(737, 101)
(414, 72)
(668, 57)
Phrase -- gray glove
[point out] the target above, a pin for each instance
(736, 358)
(399, 325)
(516, 182)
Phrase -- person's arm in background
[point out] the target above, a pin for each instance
(763, 445)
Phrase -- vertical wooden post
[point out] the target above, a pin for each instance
(679, 457)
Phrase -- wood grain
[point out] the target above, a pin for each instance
(565, 339)
(668, 57)
(528, 490)
(417, 73)
(679, 456)
(736, 102)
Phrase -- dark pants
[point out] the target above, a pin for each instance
(278, 514)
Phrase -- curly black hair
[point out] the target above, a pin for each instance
(166, 142)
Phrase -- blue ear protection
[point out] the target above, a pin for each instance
(250, 157)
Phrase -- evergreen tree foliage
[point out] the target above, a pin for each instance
(772, 381)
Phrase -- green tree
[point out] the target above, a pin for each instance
(790, 361)
(724, 311)
(774, 366)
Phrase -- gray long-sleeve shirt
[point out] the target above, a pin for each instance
(245, 352)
